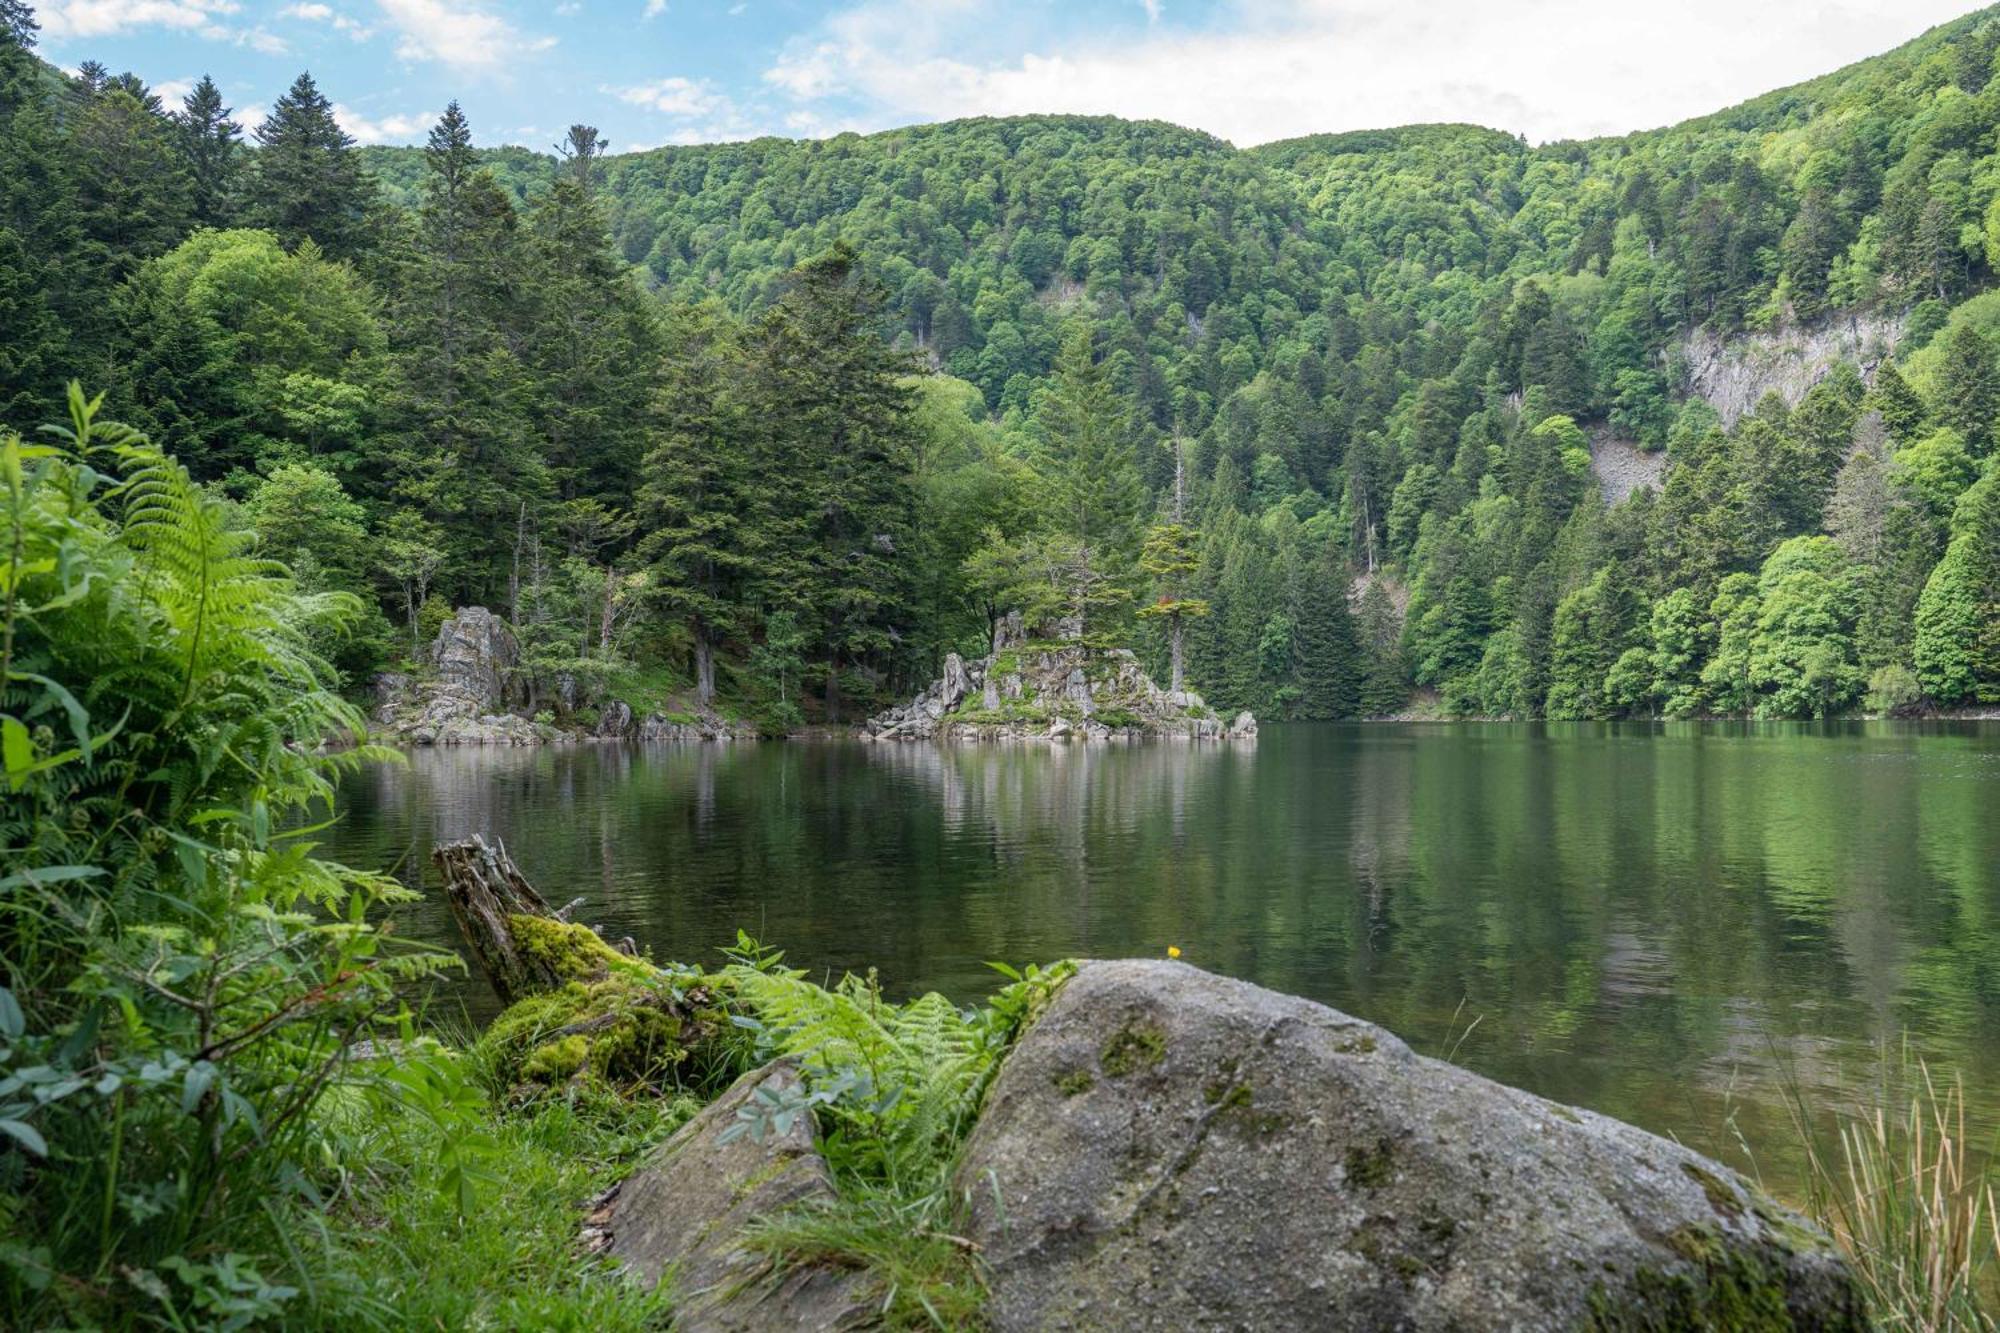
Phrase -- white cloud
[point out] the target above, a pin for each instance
(464, 36)
(317, 13)
(655, 8)
(389, 129)
(706, 114)
(108, 18)
(172, 92)
(675, 97)
(1270, 69)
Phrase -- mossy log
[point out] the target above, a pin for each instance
(487, 893)
(576, 1006)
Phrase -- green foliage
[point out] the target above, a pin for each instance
(183, 976)
(896, 1084)
(1957, 643)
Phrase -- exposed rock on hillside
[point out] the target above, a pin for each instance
(1166, 1149)
(1735, 372)
(1623, 467)
(1028, 689)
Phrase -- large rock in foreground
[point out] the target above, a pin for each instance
(1167, 1149)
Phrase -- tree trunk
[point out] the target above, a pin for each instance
(1174, 674)
(610, 612)
(485, 890)
(704, 667)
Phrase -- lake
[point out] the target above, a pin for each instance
(1670, 923)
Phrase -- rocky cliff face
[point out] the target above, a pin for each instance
(1028, 689)
(1734, 373)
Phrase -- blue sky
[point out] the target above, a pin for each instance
(650, 72)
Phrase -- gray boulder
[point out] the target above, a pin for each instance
(614, 720)
(683, 1213)
(475, 655)
(1167, 1149)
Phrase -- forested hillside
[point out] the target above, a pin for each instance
(750, 422)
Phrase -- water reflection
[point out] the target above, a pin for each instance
(1665, 923)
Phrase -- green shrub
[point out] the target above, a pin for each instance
(182, 976)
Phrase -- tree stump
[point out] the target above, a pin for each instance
(485, 890)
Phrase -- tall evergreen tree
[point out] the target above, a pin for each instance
(832, 395)
(1329, 664)
(1170, 556)
(463, 458)
(210, 144)
(591, 344)
(1096, 491)
(307, 178)
(703, 505)
(1968, 388)
(45, 279)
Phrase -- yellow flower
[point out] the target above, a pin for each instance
(1173, 951)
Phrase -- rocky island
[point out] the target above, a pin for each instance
(1051, 687)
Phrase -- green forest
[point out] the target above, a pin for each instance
(774, 425)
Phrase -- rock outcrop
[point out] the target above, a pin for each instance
(1167, 1149)
(1734, 373)
(683, 1213)
(1027, 689)
(464, 699)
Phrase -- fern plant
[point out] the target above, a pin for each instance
(180, 974)
(895, 1085)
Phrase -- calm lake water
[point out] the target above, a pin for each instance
(1670, 924)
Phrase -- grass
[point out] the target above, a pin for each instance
(506, 1255)
(1901, 1191)
(928, 1277)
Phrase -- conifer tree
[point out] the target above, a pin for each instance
(702, 503)
(1095, 486)
(1171, 554)
(45, 281)
(830, 391)
(308, 179)
(1903, 412)
(1328, 662)
(210, 147)
(1968, 388)
(463, 457)
(591, 343)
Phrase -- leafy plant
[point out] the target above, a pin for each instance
(183, 977)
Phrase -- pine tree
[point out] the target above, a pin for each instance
(210, 144)
(1386, 686)
(308, 179)
(1957, 643)
(463, 457)
(830, 391)
(1096, 490)
(1329, 666)
(45, 282)
(1903, 412)
(134, 196)
(702, 503)
(591, 345)
(1171, 554)
(1968, 388)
